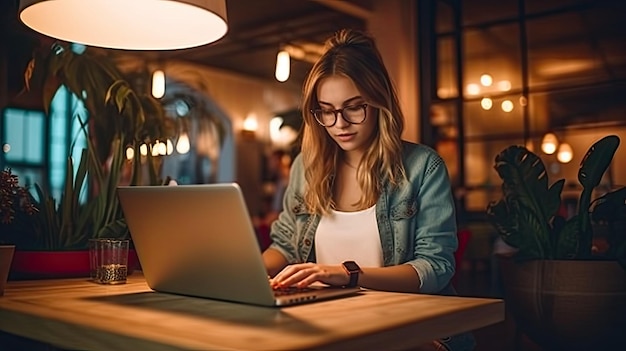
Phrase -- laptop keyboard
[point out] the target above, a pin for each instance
(290, 290)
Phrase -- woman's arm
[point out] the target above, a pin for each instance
(400, 278)
(274, 261)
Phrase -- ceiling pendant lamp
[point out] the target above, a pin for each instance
(128, 25)
(549, 143)
(158, 84)
(283, 66)
(565, 153)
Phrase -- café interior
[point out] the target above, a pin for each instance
(473, 77)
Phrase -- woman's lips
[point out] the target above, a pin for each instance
(345, 137)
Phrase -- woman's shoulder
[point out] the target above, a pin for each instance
(413, 152)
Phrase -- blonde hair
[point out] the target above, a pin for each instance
(354, 55)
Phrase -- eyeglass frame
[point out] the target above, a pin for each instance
(340, 110)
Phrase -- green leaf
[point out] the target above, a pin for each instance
(524, 214)
(596, 161)
(592, 168)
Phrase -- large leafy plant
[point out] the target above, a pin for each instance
(118, 117)
(527, 218)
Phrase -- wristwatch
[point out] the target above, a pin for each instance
(353, 271)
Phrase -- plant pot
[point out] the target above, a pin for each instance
(56, 264)
(567, 305)
(50, 264)
(6, 256)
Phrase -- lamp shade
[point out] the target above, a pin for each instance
(128, 24)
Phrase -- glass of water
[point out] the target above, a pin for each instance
(108, 260)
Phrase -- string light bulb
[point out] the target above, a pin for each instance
(158, 84)
(130, 153)
(507, 106)
(486, 103)
(549, 143)
(565, 153)
(182, 145)
(283, 63)
(486, 80)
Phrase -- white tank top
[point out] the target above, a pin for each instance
(349, 236)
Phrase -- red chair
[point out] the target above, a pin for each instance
(463, 236)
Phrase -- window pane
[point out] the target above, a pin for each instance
(489, 116)
(66, 114)
(445, 17)
(481, 178)
(23, 136)
(584, 48)
(479, 11)
(446, 68)
(494, 51)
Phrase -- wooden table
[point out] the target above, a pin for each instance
(79, 314)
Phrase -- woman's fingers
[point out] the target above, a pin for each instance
(305, 274)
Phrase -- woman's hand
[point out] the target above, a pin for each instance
(304, 274)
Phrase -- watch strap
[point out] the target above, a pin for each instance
(353, 270)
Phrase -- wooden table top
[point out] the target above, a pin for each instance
(79, 314)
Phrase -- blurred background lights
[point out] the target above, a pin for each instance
(486, 103)
(507, 106)
(486, 80)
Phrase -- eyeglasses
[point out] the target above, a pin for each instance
(354, 114)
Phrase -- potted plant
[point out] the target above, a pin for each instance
(119, 117)
(563, 292)
(16, 205)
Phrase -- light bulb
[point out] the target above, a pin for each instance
(130, 153)
(472, 89)
(486, 80)
(250, 123)
(565, 153)
(143, 150)
(504, 85)
(282, 66)
(486, 103)
(158, 84)
(155, 149)
(170, 147)
(548, 144)
(161, 148)
(507, 105)
(182, 146)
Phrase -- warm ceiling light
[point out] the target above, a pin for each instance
(504, 85)
(128, 25)
(170, 147)
(507, 105)
(486, 80)
(130, 153)
(565, 153)
(472, 89)
(283, 63)
(250, 124)
(548, 144)
(523, 101)
(158, 84)
(183, 146)
(486, 103)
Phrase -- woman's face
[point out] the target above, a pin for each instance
(338, 92)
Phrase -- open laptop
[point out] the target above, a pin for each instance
(198, 240)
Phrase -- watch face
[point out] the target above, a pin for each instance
(351, 266)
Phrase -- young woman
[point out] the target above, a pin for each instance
(362, 206)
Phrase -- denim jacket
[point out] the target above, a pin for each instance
(416, 220)
(416, 223)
